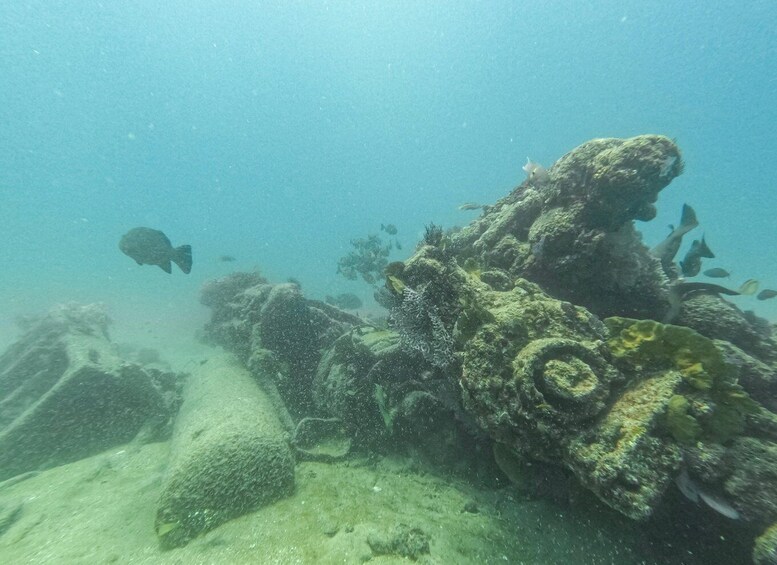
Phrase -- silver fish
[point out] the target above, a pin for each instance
(667, 249)
(694, 493)
(749, 287)
(536, 173)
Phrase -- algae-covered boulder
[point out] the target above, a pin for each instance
(710, 419)
(275, 331)
(534, 371)
(765, 548)
(65, 393)
(710, 404)
(573, 233)
(538, 377)
(230, 454)
(382, 391)
(353, 376)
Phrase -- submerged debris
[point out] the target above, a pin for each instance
(404, 541)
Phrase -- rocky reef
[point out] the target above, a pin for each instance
(358, 385)
(541, 328)
(545, 333)
(550, 317)
(572, 232)
(554, 306)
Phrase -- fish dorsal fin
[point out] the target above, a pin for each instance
(688, 217)
(704, 250)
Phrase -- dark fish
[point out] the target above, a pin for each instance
(716, 273)
(667, 249)
(226, 258)
(397, 244)
(766, 294)
(691, 264)
(390, 229)
(470, 206)
(151, 247)
(346, 301)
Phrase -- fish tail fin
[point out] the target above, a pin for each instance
(183, 258)
(688, 219)
(704, 250)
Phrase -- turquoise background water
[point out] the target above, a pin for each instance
(278, 131)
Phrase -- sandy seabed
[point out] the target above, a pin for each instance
(101, 510)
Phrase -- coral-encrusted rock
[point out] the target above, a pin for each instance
(752, 485)
(275, 331)
(361, 363)
(379, 391)
(716, 318)
(765, 548)
(574, 235)
(534, 372)
(230, 454)
(626, 459)
(65, 394)
(538, 377)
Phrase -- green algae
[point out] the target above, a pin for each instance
(683, 427)
(712, 406)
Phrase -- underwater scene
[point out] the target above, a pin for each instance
(445, 282)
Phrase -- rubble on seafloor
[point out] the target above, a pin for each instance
(535, 335)
(553, 310)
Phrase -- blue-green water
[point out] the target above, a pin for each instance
(276, 132)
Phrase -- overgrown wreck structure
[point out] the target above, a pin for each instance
(541, 328)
